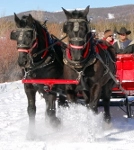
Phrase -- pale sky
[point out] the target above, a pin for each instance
(8, 7)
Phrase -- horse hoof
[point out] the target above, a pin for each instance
(107, 118)
(30, 136)
(55, 122)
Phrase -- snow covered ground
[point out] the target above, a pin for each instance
(80, 129)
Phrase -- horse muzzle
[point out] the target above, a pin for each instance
(24, 46)
(77, 39)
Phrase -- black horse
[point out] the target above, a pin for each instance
(40, 58)
(88, 61)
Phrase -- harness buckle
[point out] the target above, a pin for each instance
(26, 73)
(79, 75)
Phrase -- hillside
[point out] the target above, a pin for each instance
(119, 13)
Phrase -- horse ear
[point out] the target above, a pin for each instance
(30, 20)
(86, 11)
(67, 13)
(17, 20)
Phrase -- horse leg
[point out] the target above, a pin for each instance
(31, 109)
(70, 93)
(62, 102)
(93, 98)
(51, 109)
(69, 73)
(107, 90)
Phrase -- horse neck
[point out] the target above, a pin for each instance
(43, 40)
(43, 37)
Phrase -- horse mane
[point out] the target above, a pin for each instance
(77, 14)
(110, 49)
(24, 17)
(24, 21)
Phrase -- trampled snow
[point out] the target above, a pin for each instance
(79, 130)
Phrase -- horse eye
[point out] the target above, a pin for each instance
(28, 35)
(16, 35)
(82, 23)
(69, 23)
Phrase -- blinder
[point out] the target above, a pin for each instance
(13, 35)
(76, 27)
(76, 24)
(21, 33)
(65, 27)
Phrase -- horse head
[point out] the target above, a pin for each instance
(77, 28)
(31, 38)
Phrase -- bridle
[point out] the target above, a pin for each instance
(86, 39)
(76, 28)
(34, 42)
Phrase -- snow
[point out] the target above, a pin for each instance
(110, 16)
(80, 129)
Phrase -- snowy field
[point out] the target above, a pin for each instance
(80, 129)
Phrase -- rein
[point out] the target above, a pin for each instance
(81, 73)
(111, 74)
(37, 67)
(58, 40)
(77, 47)
(48, 61)
(28, 50)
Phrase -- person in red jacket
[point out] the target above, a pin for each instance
(108, 36)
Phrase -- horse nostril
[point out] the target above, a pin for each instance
(22, 62)
(19, 45)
